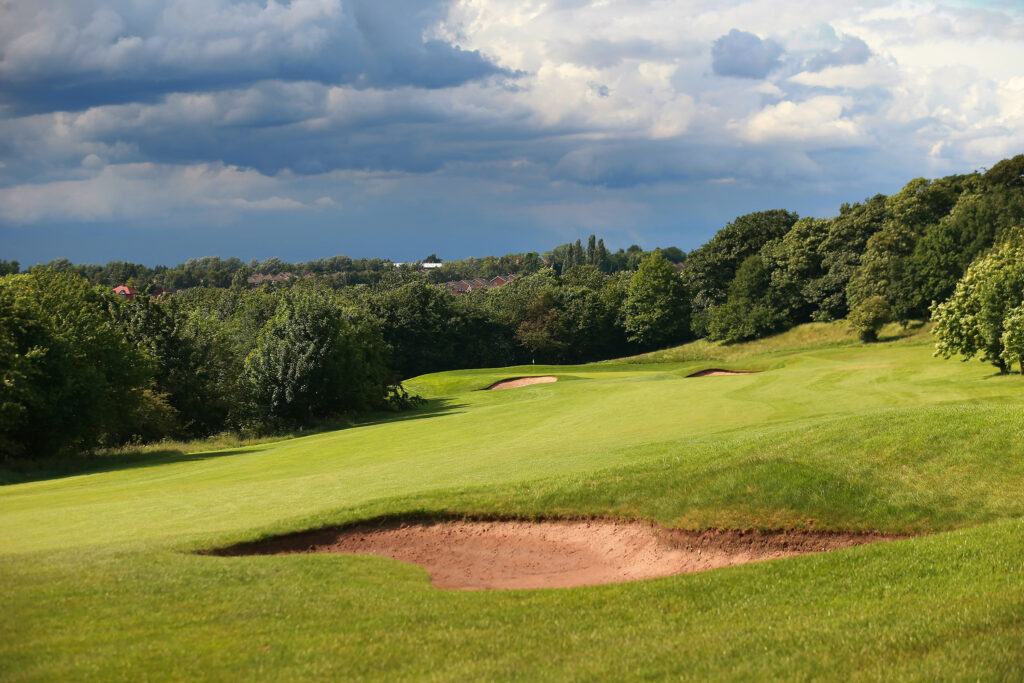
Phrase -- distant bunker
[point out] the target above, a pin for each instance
(718, 372)
(475, 555)
(514, 382)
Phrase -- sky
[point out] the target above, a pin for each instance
(159, 130)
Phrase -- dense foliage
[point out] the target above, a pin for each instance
(983, 317)
(81, 367)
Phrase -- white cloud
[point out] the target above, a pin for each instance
(133, 191)
(817, 122)
(856, 76)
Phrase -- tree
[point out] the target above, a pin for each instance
(973, 322)
(869, 316)
(975, 223)
(841, 253)
(749, 312)
(313, 359)
(886, 269)
(538, 331)
(711, 268)
(71, 381)
(1013, 337)
(657, 306)
(196, 365)
(601, 257)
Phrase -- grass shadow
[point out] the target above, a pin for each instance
(17, 471)
(25, 471)
(433, 407)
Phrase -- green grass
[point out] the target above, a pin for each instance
(98, 579)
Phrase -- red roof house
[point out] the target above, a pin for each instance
(127, 292)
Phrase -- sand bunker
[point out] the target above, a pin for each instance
(552, 554)
(521, 382)
(715, 372)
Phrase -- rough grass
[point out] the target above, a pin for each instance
(97, 581)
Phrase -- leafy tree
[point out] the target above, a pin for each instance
(1013, 337)
(974, 319)
(885, 268)
(657, 306)
(537, 332)
(749, 311)
(989, 206)
(869, 316)
(583, 276)
(792, 263)
(711, 268)
(9, 267)
(196, 365)
(601, 257)
(841, 254)
(71, 380)
(313, 359)
(424, 328)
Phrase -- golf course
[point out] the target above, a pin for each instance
(114, 572)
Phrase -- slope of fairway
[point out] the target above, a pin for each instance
(834, 436)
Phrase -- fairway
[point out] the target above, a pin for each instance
(100, 576)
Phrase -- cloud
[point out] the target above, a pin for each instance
(504, 115)
(818, 122)
(134, 191)
(874, 74)
(71, 55)
(744, 55)
(851, 50)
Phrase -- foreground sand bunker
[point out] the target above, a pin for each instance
(521, 382)
(552, 554)
(716, 372)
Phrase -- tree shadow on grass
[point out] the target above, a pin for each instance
(25, 471)
(433, 407)
(16, 471)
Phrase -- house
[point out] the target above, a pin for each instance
(463, 286)
(500, 280)
(127, 292)
(260, 278)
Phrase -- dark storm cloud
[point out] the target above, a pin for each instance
(852, 50)
(63, 55)
(744, 55)
(639, 162)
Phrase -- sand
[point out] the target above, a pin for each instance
(521, 382)
(470, 555)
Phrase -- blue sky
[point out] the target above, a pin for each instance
(155, 131)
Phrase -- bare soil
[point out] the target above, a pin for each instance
(715, 372)
(521, 382)
(553, 554)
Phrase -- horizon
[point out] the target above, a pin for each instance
(154, 134)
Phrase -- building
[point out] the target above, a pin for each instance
(463, 286)
(127, 292)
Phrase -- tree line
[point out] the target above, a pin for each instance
(82, 367)
(344, 271)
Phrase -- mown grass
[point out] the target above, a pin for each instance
(98, 579)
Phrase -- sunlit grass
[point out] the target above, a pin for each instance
(99, 581)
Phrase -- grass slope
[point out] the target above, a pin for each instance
(96, 581)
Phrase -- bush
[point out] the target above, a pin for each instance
(868, 317)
